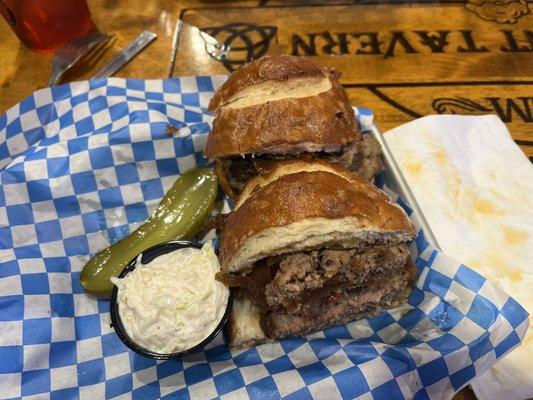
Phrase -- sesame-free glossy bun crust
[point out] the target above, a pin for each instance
(317, 121)
(267, 68)
(303, 207)
(323, 120)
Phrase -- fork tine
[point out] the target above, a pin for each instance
(94, 49)
(88, 59)
(72, 52)
(92, 58)
(95, 54)
(99, 48)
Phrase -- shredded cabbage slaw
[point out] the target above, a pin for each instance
(174, 302)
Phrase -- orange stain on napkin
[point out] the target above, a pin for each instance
(441, 157)
(491, 262)
(413, 168)
(507, 270)
(514, 236)
(486, 207)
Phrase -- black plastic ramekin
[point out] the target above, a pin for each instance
(146, 257)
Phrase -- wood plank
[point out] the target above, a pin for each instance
(401, 60)
(396, 105)
(24, 71)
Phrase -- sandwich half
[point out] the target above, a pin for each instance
(311, 245)
(279, 108)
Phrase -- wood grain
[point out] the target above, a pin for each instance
(402, 60)
(24, 71)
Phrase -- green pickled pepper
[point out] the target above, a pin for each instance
(179, 215)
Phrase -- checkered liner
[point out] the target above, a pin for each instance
(83, 164)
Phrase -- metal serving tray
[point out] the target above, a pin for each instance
(395, 180)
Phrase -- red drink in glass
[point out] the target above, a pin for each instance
(46, 24)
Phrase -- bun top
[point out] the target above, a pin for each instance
(301, 206)
(268, 68)
(280, 104)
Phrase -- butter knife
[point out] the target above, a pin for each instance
(131, 50)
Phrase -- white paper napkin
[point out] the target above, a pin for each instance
(480, 208)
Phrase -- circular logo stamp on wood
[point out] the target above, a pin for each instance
(246, 42)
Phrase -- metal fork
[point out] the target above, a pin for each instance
(72, 51)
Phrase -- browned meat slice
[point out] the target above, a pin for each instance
(362, 157)
(371, 161)
(307, 291)
(295, 282)
(304, 276)
(238, 171)
(345, 305)
(349, 157)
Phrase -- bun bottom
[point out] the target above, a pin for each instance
(244, 326)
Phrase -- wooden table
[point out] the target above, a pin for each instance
(402, 60)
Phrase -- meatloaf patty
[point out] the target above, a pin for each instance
(344, 305)
(303, 276)
(325, 285)
(361, 157)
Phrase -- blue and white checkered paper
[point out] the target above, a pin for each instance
(83, 164)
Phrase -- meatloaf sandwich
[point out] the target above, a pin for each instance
(284, 107)
(311, 245)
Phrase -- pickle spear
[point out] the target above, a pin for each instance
(179, 215)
